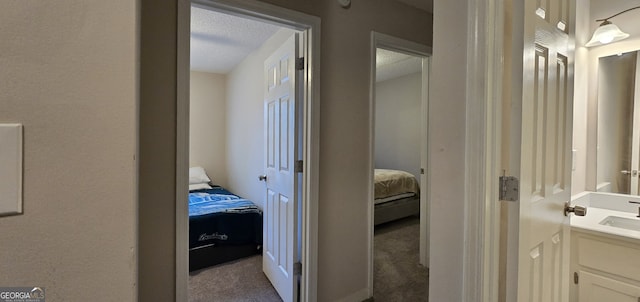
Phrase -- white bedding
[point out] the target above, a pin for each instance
(394, 184)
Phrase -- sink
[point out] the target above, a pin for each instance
(622, 222)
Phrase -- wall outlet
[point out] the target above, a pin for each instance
(10, 169)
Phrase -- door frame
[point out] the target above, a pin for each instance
(380, 40)
(483, 139)
(310, 26)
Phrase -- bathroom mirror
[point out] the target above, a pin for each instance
(618, 150)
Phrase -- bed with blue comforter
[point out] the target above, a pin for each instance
(222, 227)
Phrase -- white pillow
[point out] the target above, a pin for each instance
(199, 187)
(197, 175)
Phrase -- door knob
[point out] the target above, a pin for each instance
(262, 178)
(578, 210)
(627, 172)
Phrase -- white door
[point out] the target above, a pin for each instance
(280, 208)
(545, 151)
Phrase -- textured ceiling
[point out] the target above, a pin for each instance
(391, 64)
(220, 41)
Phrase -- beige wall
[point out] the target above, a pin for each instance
(397, 123)
(68, 73)
(208, 124)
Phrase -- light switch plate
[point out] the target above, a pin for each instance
(10, 169)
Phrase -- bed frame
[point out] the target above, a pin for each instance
(209, 255)
(396, 209)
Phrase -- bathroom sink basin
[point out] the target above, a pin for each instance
(622, 222)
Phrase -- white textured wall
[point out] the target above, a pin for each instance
(397, 123)
(68, 73)
(245, 121)
(208, 125)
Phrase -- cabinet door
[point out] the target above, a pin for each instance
(596, 288)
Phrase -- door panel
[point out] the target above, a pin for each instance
(280, 219)
(545, 137)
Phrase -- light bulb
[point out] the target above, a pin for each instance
(606, 39)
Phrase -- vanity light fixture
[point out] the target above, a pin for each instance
(608, 32)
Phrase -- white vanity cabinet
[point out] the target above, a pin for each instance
(604, 268)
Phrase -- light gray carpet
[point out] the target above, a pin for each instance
(237, 281)
(397, 274)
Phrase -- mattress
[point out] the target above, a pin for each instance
(218, 217)
(394, 184)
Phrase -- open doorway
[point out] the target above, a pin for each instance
(399, 247)
(237, 55)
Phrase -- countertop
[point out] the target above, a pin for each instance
(591, 223)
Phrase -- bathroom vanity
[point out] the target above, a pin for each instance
(605, 252)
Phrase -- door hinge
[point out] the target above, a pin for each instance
(297, 269)
(299, 166)
(421, 170)
(575, 277)
(300, 63)
(509, 187)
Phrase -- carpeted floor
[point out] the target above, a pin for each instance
(397, 274)
(237, 281)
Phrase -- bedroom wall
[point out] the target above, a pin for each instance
(69, 74)
(245, 121)
(208, 124)
(397, 123)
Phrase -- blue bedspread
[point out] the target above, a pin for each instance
(218, 200)
(218, 217)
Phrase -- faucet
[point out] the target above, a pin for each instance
(636, 202)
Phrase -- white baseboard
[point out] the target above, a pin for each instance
(358, 296)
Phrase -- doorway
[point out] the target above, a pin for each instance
(306, 97)
(399, 107)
